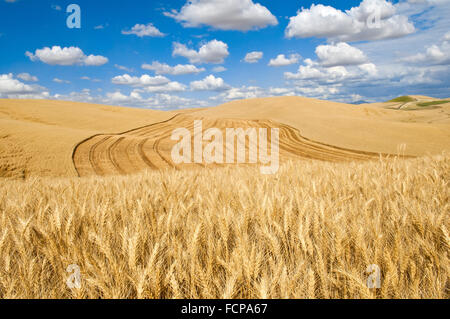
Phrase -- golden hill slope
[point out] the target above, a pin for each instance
(150, 146)
(38, 137)
(415, 103)
(360, 127)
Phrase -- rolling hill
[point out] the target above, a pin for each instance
(37, 137)
(57, 138)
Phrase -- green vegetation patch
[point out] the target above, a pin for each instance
(402, 99)
(426, 104)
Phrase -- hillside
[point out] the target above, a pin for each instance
(38, 137)
(414, 103)
(359, 127)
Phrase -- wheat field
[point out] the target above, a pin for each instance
(309, 231)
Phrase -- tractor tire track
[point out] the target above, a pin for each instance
(149, 147)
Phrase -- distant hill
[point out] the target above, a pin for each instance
(360, 102)
(404, 98)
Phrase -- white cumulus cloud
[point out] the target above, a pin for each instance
(253, 57)
(9, 85)
(95, 60)
(238, 93)
(340, 54)
(242, 15)
(142, 81)
(369, 68)
(144, 30)
(15, 89)
(433, 55)
(169, 87)
(209, 83)
(66, 56)
(371, 20)
(151, 84)
(282, 60)
(27, 77)
(179, 69)
(213, 51)
(312, 71)
(57, 80)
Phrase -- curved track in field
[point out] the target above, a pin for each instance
(150, 147)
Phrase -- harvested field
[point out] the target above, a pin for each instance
(150, 147)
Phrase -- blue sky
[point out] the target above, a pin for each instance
(175, 54)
